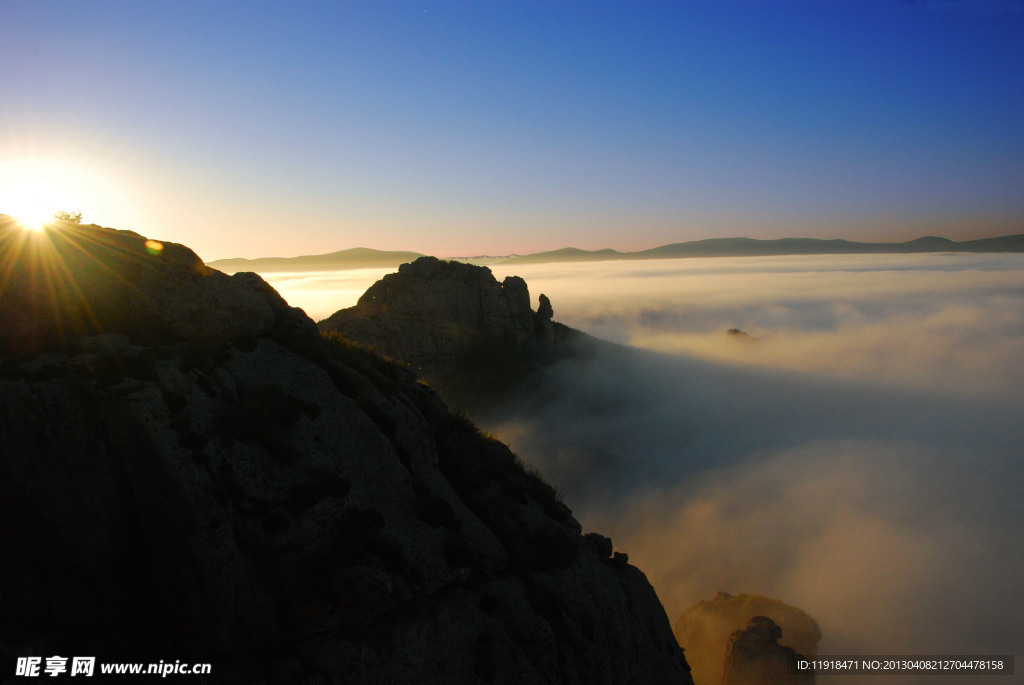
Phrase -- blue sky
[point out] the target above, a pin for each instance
(255, 129)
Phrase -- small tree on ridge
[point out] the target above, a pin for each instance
(70, 217)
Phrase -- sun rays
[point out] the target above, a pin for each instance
(37, 193)
(48, 261)
(62, 277)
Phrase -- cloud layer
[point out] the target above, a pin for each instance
(861, 460)
(937, 321)
(321, 293)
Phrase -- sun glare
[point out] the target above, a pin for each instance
(32, 215)
(33, 194)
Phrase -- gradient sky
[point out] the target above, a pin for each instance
(489, 127)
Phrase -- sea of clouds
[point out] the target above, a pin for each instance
(859, 456)
(862, 457)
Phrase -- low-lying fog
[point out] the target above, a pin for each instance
(321, 293)
(860, 456)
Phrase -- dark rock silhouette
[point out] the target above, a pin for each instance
(471, 337)
(188, 469)
(705, 629)
(116, 281)
(754, 657)
(543, 330)
(432, 312)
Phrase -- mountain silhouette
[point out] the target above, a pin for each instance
(363, 258)
(190, 470)
(354, 258)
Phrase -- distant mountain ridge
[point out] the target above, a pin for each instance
(354, 258)
(365, 258)
(753, 247)
(570, 254)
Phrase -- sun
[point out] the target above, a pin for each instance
(32, 202)
(33, 215)
(33, 194)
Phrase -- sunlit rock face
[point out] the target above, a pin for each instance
(755, 657)
(705, 630)
(188, 470)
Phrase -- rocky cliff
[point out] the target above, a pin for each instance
(190, 471)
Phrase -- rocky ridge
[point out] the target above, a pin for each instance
(191, 471)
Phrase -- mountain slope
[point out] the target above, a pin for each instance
(189, 470)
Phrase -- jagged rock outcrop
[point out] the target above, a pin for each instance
(471, 337)
(543, 328)
(755, 657)
(432, 312)
(705, 629)
(189, 470)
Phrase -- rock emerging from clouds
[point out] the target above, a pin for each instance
(189, 471)
(755, 657)
(469, 335)
(543, 328)
(706, 629)
(432, 312)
